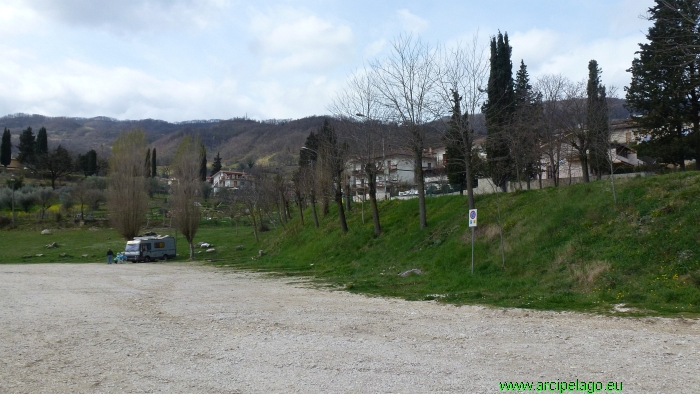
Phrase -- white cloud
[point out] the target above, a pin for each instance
(289, 40)
(549, 52)
(79, 89)
(16, 18)
(534, 46)
(411, 22)
(614, 56)
(125, 16)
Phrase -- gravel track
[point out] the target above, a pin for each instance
(192, 328)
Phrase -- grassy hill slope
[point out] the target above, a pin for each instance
(565, 248)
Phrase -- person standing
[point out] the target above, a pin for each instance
(110, 254)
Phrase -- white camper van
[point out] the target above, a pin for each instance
(161, 247)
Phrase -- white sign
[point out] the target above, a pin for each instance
(472, 218)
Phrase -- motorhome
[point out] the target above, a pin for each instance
(160, 247)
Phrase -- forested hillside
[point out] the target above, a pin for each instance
(238, 140)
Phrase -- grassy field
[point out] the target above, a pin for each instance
(566, 248)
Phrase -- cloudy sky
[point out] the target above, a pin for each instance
(216, 59)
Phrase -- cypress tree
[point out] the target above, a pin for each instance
(203, 164)
(154, 164)
(147, 164)
(597, 119)
(91, 163)
(27, 145)
(454, 141)
(6, 148)
(216, 165)
(42, 143)
(498, 110)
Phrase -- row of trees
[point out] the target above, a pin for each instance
(392, 105)
(35, 155)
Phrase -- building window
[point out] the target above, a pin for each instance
(550, 172)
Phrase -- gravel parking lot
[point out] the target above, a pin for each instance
(192, 328)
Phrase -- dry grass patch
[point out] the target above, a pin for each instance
(586, 274)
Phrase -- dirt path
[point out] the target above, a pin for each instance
(189, 328)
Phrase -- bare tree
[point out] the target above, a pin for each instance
(331, 155)
(574, 122)
(360, 113)
(406, 81)
(464, 74)
(552, 90)
(186, 188)
(127, 197)
(45, 198)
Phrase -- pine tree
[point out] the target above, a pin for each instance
(216, 165)
(499, 109)
(203, 163)
(6, 148)
(525, 131)
(154, 164)
(42, 143)
(597, 119)
(27, 145)
(665, 87)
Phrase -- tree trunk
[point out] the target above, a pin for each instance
(191, 249)
(470, 187)
(301, 211)
(341, 210)
(372, 183)
(584, 168)
(255, 227)
(418, 166)
(348, 197)
(313, 210)
(325, 203)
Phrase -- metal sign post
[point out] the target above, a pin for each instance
(472, 224)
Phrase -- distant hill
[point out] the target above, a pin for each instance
(238, 140)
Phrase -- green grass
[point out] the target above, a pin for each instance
(566, 248)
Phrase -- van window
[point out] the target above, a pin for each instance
(132, 248)
(160, 245)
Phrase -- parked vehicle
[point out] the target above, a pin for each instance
(149, 248)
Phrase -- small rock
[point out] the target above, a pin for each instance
(211, 250)
(52, 245)
(85, 255)
(261, 253)
(63, 255)
(205, 245)
(409, 272)
(40, 255)
(239, 247)
(46, 232)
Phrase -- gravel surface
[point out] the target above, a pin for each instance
(191, 328)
